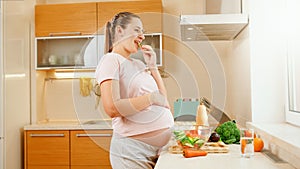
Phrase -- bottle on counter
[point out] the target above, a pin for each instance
(201, 117)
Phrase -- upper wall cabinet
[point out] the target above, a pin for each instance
(69, 52)
(65, 19)
(149, 11)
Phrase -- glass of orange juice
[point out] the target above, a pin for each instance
(246, 141)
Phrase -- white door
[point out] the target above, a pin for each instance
(1, 95)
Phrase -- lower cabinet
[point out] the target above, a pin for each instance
(90, 149)
(67, 149)
(91, 167)
(48, 167)
(47, 149)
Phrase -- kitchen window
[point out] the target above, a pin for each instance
(293, 52)
(293, 101)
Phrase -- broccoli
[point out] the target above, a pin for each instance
(229, 132)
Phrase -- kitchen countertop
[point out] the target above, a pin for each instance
(92, 124)
(281, 138)
(231, 160)
(71, 125)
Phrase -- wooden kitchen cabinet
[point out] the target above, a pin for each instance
(91, 167)
(49, 167)
(67, 149)
(90, 149)
(69, 36)
(88, 18)
(149, 11)
(65, 19)
(47, 149)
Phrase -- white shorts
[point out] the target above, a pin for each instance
(129, 153)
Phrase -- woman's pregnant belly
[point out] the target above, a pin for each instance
(148, 115)
(157, 138)
(158, 122)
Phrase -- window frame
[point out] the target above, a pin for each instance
(291, 116)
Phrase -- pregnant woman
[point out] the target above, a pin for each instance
(133, 95)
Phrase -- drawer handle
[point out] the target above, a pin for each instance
(47, 135)
(64, 33)
(93, 135)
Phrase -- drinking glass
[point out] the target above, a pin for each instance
(246, 141)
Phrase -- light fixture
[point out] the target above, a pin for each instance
(17, 75)
(64, 74)
(190, 28)
(74, 74)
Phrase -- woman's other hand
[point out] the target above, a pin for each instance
(156, 98)
(149, 56)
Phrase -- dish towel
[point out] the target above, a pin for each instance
(86, 86)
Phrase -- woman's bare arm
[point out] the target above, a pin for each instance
(150, 59)
(160, 83)
(114, 106)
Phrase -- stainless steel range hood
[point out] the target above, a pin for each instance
(212, 26)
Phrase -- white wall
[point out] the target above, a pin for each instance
(17, 50)
(196, 67)
(188, 75)
(256, 65)
(1, 93)
(268, 59)
(223, 6)
(237, 69)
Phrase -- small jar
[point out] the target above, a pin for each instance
(52, 59)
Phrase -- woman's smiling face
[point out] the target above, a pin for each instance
(132, 35)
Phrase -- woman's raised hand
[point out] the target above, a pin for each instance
(149, 56)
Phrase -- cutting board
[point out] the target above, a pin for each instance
(211, 147)
(208, 147)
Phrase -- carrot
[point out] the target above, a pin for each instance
(187, 153)
(243, 145)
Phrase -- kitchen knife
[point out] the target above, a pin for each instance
(216, 113)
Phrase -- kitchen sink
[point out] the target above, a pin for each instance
(96, 122)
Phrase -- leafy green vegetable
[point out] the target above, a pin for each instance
(188, 139)
(179, 135)
(199, 142)
(229, 132)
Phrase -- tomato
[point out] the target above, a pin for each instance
(248, 134)
(192, 133)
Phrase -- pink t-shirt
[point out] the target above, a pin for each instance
(134, 81)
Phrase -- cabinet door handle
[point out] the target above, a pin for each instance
(64, 33)
(93, 135)
(47, 135)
